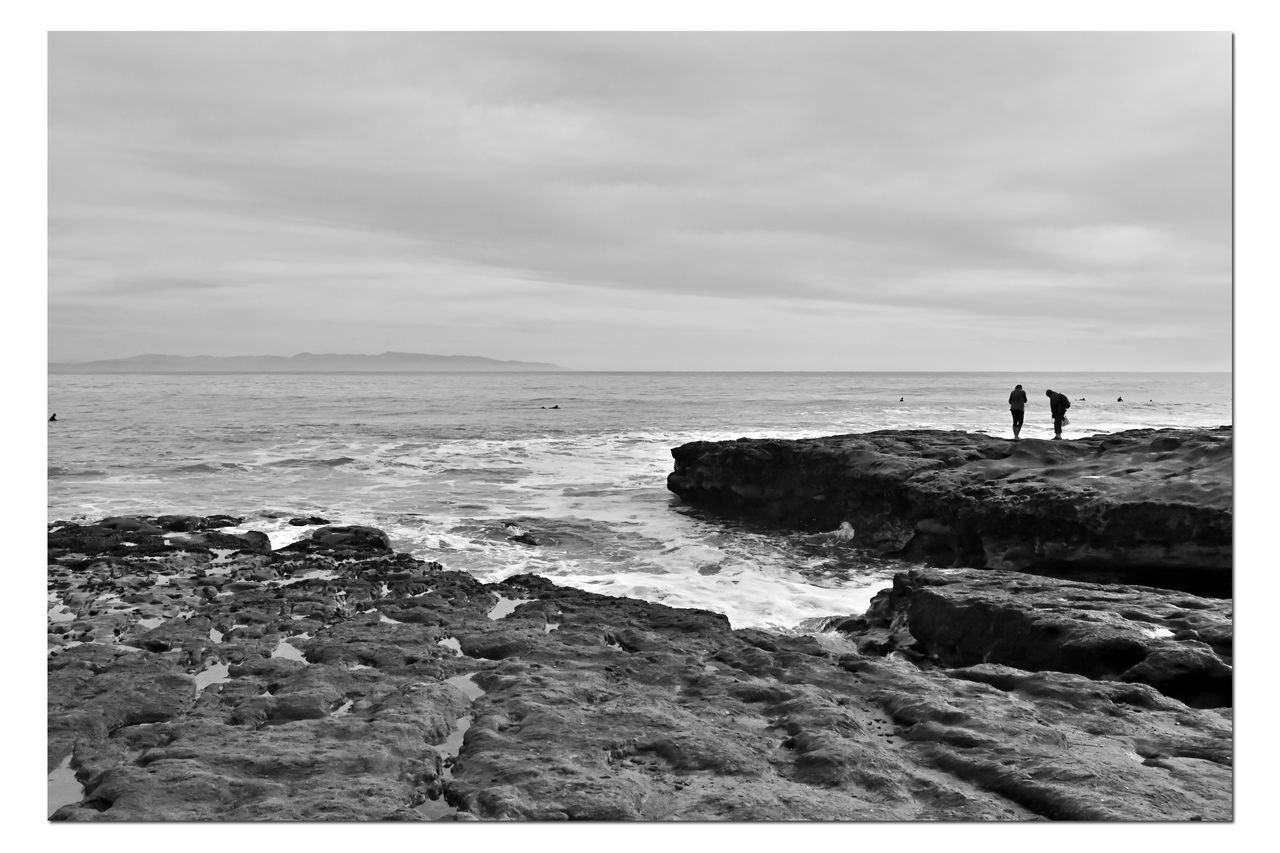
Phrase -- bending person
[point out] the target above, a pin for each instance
(1058, 405)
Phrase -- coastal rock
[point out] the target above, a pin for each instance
(192, 523)
(1178, 643)
(1145, 506)
(377, 687)
(343, 540)
(251, 542)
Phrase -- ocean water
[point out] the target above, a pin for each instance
(453, 466)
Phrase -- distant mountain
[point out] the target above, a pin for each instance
(388, 362)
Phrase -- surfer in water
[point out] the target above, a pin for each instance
(53, 417)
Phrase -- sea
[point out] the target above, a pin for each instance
(457, 467)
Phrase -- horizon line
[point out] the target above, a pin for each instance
(635, 370)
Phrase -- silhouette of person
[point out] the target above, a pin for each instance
(1018, 408)
(53, 417)
(1119, 399)
(1058, 405)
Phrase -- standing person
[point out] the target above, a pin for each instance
(1058, 405)
(1018, 408)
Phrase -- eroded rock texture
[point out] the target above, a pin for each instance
(338, 681)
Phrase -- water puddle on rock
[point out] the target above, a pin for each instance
(215, 636)
(506, 606)
(311, 575)
(468, 687)
(288, 651)
(452, 643)
(345, 709)
(215, 674)
(448, 751)
(550, 626)
(151, 622)
(61, 613)
(1156, 633)
(64, 788)
(220, 565)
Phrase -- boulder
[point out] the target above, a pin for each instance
(962, 617)
(334, 540)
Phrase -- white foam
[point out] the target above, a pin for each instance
(278, 530)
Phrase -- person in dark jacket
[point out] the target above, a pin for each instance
(1018, 408)
(1058, 405)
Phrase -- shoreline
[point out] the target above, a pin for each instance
(196, 674)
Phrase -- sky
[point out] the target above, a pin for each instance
(646, 201)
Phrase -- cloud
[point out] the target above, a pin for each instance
(465, 183)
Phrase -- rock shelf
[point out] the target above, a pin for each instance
(1150, 507)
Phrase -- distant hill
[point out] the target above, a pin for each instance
(388, 362)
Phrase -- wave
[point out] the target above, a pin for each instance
(211, 467)
(64, 471)
(333, 462)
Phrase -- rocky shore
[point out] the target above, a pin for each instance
(198, 674)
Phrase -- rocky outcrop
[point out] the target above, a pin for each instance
(1146, 506)
(339, 681)
(1178, 643)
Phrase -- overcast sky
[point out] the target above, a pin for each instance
(746, 201)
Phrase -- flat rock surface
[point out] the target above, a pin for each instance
(339, 681)
(1144, 506)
